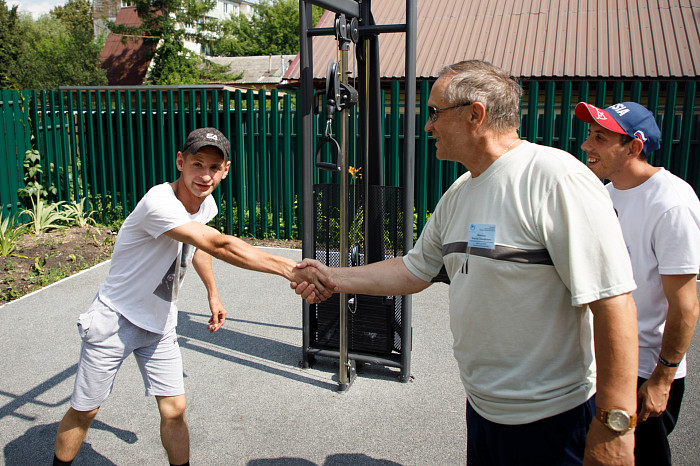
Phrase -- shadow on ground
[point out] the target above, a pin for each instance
(36, 446)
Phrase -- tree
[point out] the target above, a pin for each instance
(9, 40)
(56, 50)
(273, 29)
(76, 15)
(165, 26)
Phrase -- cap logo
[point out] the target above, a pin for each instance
(212, 136)
(601, 115)
(620, 109)
(640, 134)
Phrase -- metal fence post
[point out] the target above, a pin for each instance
(120, 152)
(263, 172)
(565, 126)
(687, 129)
(228, 187)
(250, 161)
(276, 173)
(422, 173)
(288, 179)
(240, 161)
(667, 124)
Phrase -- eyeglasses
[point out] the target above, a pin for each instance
(433, 112)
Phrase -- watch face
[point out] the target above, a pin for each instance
(618, 420)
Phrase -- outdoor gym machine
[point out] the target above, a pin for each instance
(357, 328)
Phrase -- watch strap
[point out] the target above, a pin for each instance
(602, 415)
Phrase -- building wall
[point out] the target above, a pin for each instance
(103, 10)
(225, 8)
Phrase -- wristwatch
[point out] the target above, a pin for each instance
(617, 420)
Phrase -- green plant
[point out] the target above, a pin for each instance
(76, 214)
(44, 216)
(39, 265)
(356, 235)
(14, 293)
(9, 234)
(111, 215)
(10, 267)
(32, 171)
(109, 241)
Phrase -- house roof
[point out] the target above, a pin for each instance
(537, 38)
(125, 62)
(257, 71)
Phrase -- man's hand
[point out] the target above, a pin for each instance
(652, 398)
(604, 447)
(218, 314)
(313, 281)
(382, 278)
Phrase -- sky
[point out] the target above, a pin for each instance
(35, 7)
(41, 7)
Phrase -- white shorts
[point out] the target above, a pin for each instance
(108, 339)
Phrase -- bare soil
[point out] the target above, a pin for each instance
(39, 260)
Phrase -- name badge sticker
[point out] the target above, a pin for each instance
(482, 235)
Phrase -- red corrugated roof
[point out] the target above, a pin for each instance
(125, 62)
(538, 38)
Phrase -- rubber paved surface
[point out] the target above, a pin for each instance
(249, 402)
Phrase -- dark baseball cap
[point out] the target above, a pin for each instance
(202, 137)
(628, 118)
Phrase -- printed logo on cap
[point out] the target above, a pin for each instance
(601, 114)
(212, 136)
(640, 134)
(620, 109)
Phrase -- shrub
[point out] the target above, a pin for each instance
(44, 216)
(9, 234)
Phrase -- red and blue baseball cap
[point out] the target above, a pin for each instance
(628, 118)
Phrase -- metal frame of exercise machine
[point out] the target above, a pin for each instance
(354, 22)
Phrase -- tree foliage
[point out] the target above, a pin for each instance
(58, 49)
(76, 15)
(165, 26)
(9, 39)
(273, 29)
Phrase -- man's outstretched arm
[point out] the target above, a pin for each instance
(241, 254)
(384, 278)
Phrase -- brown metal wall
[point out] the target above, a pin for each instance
(565, 39)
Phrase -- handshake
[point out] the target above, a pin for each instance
(316, 282)
(313, 281)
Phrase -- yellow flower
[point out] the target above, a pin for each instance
(355, 172)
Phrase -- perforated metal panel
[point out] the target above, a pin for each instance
(374, 322)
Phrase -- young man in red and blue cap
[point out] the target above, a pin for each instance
(660, 218)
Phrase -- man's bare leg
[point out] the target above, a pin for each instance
(173, 428)
(71, 433)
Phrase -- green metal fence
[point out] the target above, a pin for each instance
(15, 140)
(111, 145)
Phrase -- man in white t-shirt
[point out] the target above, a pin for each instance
(539, 276)
(660, 218)
(135, 310)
